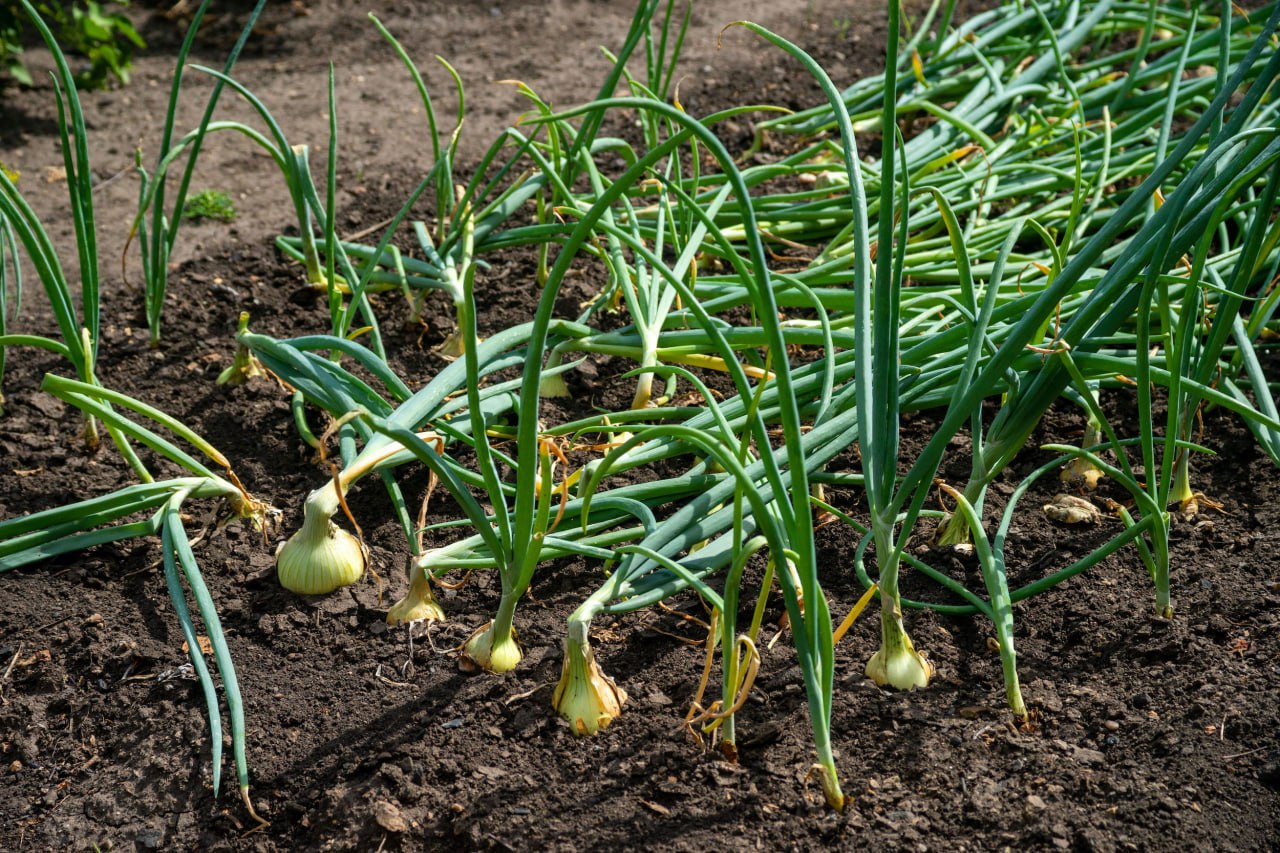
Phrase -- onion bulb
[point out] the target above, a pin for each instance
(585, 696)
(897, 664)
(418, 606)
(503, 656)
(321, 556)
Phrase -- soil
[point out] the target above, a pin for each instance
(1148, 734)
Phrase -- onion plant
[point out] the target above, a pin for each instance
(1038, 320)
(19, 224)
(877, 348)
(1232, 159)
(78, 330)
(333, 274)
(1192, 359)
(158, 232)
(112, 517)
(431, 413)
(643, 289)
(785, 515)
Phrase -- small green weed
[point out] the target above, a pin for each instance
(210, 204)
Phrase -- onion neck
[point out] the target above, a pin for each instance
(826, 773)
(321, 506)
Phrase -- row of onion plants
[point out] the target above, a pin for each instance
(1062, 207)
(1009, 241)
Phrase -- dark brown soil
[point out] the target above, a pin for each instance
(1149, 734)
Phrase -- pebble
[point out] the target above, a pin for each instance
(389, 817)
(1111, 726)
(1089, 756)
(1036, 802)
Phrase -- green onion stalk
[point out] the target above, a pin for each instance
(469, 213)
(494, 647)
(648, 298)
(71, 528)
(443, 272)
(10, 270)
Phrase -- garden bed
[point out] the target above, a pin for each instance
(1145, 732)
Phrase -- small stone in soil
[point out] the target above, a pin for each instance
(389, 817)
